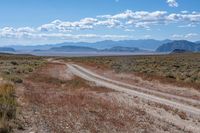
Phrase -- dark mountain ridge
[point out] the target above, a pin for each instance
(179, 44)
(7, 49)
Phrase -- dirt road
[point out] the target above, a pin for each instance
(62, 97)
(118, 86)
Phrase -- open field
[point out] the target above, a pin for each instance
(179, 69)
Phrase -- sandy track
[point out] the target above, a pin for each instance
(122, 87)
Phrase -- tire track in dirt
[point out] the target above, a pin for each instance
(122, 87)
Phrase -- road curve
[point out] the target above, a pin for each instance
(118, 86)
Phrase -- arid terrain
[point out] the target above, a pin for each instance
(100, 94)
(99, 66)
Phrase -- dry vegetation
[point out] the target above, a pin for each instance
(53, 100)
(180, 69)
(75, 105)
(12, 71)
(14, 68)
(8, 107)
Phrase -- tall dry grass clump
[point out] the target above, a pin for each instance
(8, 106)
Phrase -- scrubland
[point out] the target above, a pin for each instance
(57, 101)
(37, 95)
(13, 69)
(179, 69)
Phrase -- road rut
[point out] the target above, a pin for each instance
(122, 87)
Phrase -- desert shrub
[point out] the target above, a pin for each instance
(14, 63)
(6, 72)
(16, 80)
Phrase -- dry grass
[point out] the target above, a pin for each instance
(8, 106)
(14, 68)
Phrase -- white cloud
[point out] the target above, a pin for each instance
(111, 23)
(26, 33)
(186, 36)
(25, 29)
(10, 32)
(191, 35)
(126, 21)
(47, 27)
(66, 26)
(172, 3)
(177, 36)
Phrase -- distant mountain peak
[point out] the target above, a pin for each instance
(178, 44)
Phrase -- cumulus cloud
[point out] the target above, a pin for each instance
(111, 23)
(65, 26)
(31, 34)
(172, 3)
(10, 32)
(126, 21)
(144, 19)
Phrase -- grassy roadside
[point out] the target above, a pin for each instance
(179, 69)
(13, 69)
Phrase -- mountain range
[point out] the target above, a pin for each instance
(89, 49)
(148, 44)
(110, 46)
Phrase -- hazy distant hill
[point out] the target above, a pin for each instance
(148, 44)
(181, 44)
(177, 51)
(197, 42)
(89, 49)
(73, 49)
(7, 49)
(123, 49)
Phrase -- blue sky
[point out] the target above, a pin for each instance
(30, 22)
